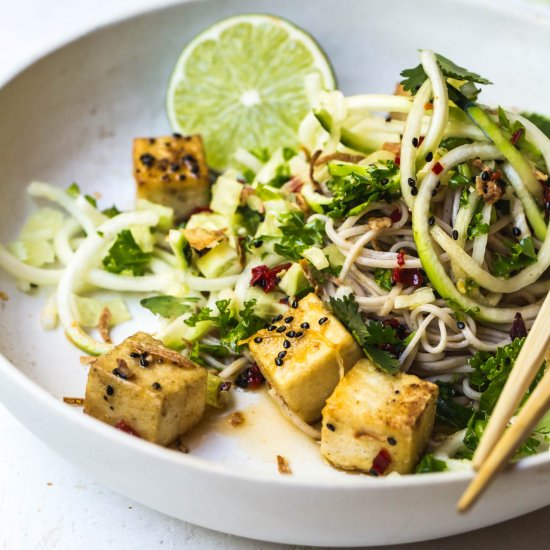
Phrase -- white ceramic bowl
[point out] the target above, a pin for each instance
(71, 116)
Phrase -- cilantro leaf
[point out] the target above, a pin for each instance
(168, 306)
(414, 78)
(370, 336)
(111, 212)
(125, 255)
(383, 278)
(353, 192)
(540, 121)
(297, 235)
(430, 463)
(521, 255)
(477, 227)
(448, 411)
(250, 219)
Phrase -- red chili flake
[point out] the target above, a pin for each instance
(398, 160)
(250, 378)
(546, 192)
(437, 168)
(495, 175)
(518, 330)
(420, 140)
(407, 277)
(124, 427)
(400, 258)
(266, 278)
(516, 136)
(381, 462)
(395, 216)
(428, 106)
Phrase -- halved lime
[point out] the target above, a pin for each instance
(240, 83)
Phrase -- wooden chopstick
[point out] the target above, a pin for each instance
(533, 410)
(527, 365)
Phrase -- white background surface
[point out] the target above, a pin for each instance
(44, 502)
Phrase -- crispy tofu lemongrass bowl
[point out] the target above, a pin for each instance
(354, 274)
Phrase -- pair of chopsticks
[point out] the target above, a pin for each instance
(498, 442)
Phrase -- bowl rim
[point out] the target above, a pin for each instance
(36, 393)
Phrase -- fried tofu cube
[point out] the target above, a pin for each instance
(377, 422)
(303, 361)
(172, 171)
(147, 388)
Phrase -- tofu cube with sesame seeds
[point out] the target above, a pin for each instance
(146, 388)
(303, 354)
(172, 171)
(377, 422)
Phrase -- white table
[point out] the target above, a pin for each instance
(45, 503)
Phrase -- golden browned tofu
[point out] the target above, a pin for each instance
(304, 360)
(147, 388)
(172, 171)
(378, 422)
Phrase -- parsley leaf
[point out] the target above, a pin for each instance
(125, 255)
(297, 235)
(430, 463)
(477, 227)
(383, 278)
(414, 78)
(522, 254)
(231, 330)
(168, 306)
(250, 219)
(219, 351)
(448, 411)
(354, 191)
(540, 121)
(369, 335)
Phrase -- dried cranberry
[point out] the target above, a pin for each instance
(381, 462)
(400, 329)
(250, 378)
(407, 277)
(398, 160)
(266, 278)
(395, 216)
(495, 175)
(125, 427)
(518, 330)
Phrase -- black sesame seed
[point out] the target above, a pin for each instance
(299, 334)
(258, 339)
(174, 167)
(294, 304)
(414, 191)
(143, 362)
(434, 192)
(291, 334)
(147, 159)
(110, 390)
(271, 328)
(431, 220)
(392, 441)
(429, 157)
(258, 243)
(176, 135)
(384, 181)
(277, 318)
(516, 231)
(461, 325)
(289, 319)
(331, 427)
(373, 473)
(120, 373)
(282, 328)
(455, 235)
(182, 177)
(156, 386)
(415, 142)
(281, 354)
(304, 325)
(278, 361)
(135, 355)
(396, 391)
(323, 320)
(411, 182)
(485, 175)
(286, 344)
